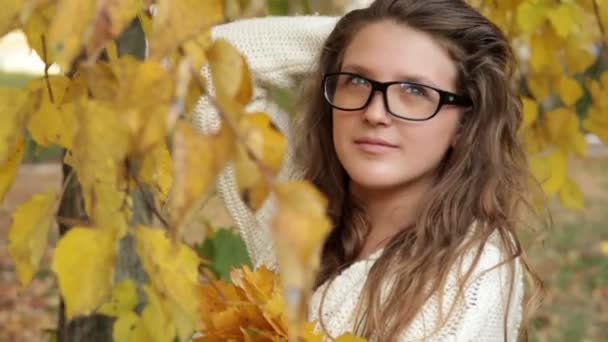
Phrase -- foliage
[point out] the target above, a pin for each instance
(562, 46)
(124, 125)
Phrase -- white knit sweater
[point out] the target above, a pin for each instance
(278, 49)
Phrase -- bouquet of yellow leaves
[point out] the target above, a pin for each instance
(251, 308)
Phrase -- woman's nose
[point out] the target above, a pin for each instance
(376, 112)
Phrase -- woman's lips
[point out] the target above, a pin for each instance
(372, 145)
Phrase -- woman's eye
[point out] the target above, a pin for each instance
(356, 80)
(414, 90)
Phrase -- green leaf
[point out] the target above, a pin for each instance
(225, 250)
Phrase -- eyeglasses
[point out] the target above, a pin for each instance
(406, 100)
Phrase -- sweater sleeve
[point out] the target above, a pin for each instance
(487, 304)
(277, 50)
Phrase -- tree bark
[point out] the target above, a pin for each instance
(98, 328)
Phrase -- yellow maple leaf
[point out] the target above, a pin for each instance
(124, 299)
(173, 271)
(28, 234)
(84, 263)
(571, 195)
(8, 170)
(173, 23)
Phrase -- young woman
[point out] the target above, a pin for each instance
(411, 132)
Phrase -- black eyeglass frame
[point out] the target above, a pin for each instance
(445, 97)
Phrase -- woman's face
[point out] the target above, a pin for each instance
(377, 149)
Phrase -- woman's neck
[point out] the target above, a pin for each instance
(390, 210)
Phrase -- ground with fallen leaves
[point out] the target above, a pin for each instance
(571, 261)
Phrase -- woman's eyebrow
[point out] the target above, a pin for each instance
(415, 78)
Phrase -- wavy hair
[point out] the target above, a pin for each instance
(483, 179)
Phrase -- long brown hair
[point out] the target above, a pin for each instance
(483, 178)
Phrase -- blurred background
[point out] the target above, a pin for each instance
(571, 256)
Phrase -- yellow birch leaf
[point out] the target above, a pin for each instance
(155, 318)
(564, 19)
(540, 85)
(598, 94)
(597, 123)
(71, 26)
(604, 247)
(14, 106)
(84, 265)
(530, 109)
(36, 30)
(578, 56)
(197, 159)
(300, 228)
(174, 23)
(8, 170)
(173, 271)
(230, 72)
(129, 328)
(604, 79)
(530, 16)
(550, 171)
(348, 337)
(9, 16)
(563, 127)
(267, 145)
(569, 90)
(156, 171)
(196, 47)
(571, 195)
(53, 123)
(124, 299)
(28, 234)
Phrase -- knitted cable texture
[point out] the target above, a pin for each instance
(278, 51)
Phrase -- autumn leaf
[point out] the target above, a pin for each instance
(36, 30)
(123, 300)
(173, 271)
(530, 16)
(550, 171)
(174, 23)
(300, 228)
(230, 72)
(15, 106)
(266, 147)
(52, 123)
(9, 16)
(128, 327)
(197, 159)
(71, 26)
(156, 319)
(8, 170)
(28, 234)
(530, 111)
(225, 250)
(571, 195)
(569, 90)
(95, 249)
(156, 171)
(565, 18)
